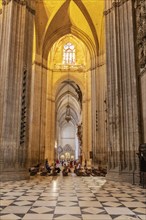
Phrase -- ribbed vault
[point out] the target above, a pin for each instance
(59, 18)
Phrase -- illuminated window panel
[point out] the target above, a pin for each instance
(69, 54)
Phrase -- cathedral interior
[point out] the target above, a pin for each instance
(73, 88)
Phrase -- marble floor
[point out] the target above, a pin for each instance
(71, 198)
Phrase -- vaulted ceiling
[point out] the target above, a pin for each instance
(82, 18)
(77, 17)
(70, 94)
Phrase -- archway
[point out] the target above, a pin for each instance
(54, 25)
(83, 74)
(70, 83)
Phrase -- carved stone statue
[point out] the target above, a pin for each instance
(79, 93)
(79, 134)
(141, 31)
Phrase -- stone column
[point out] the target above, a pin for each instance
(86, 120)
(123, 129)
(93, 109)
(101, 147)
(37, 112)
(85, 147)
(50, 120)
(15, 72)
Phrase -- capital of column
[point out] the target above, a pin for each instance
(21, 2)
(5, 2)
(115, 4)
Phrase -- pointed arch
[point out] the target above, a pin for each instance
(63, 78)
(69, 30)
(65, 26)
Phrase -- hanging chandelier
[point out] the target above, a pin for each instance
(68, 115)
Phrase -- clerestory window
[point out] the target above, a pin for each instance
(69, 54)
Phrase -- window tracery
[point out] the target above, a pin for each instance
(69, 53)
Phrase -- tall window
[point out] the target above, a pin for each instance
(69, 54)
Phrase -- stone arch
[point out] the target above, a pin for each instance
(48, 43)
(60, 80)
(66, 26)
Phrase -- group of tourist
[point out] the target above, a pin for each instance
(66, 167)
(55, 168)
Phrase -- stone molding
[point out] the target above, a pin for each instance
(63, 70)
(40, 64)
(21, 2)
(96, 67)
(101, 64)
(115, 4)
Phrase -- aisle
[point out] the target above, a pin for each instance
(71, 198)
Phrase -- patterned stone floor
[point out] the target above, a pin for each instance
(71, 198)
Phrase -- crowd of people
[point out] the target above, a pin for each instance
(55, 168)
(65, 167)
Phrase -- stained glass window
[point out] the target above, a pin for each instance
(69, 54)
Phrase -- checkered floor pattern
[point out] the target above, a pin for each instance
(71, 198)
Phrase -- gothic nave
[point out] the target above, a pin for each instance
(73, 88)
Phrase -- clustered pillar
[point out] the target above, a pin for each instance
(122, 99)
(15, 72)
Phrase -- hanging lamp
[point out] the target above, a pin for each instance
(68, 115)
